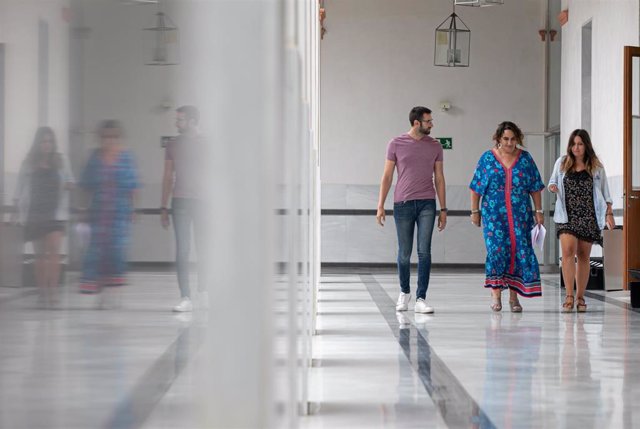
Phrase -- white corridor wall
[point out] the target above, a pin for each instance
(615, 24)
(377, 63)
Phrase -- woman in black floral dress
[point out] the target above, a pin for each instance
(583, 210)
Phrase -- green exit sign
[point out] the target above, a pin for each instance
(446, 142)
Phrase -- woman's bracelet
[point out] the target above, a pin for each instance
(540, 211)
(474, 211)
(609, 214)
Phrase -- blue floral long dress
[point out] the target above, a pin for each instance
(507, 218)
(110, 219)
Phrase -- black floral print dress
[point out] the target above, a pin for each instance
(578, 189)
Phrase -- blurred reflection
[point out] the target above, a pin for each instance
(575, 374)
(512, 352)
(413, 348)
(631, 371)
(42, 199)
(183, 180)
(111, 179)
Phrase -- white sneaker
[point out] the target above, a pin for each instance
(403, 302)
(403, 321)
(422, 319)
(184, 306)
(422, 307)
(203, 300)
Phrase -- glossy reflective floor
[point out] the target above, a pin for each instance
(90, 361)
(134, 364)
(465, 366)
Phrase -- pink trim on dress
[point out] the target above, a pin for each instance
(507, 199)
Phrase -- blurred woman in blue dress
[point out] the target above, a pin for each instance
(111, 179)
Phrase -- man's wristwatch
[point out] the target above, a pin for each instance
(444, 210)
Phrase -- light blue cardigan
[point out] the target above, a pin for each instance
(601, 194)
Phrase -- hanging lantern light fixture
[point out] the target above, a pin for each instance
(453, 42)
(163, 41)
(479, 3)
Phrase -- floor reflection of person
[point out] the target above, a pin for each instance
(512, 353)
(42, 200)
(111, 178)
(413, 388)
(576, 378)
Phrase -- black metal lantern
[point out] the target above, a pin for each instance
(453, 43)
(162, 41)
(479, 3)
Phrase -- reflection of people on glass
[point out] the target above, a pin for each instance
(583, 209)
(111, 178)
(507, 179)
(183, 181)
(512, 352)
(42, 199)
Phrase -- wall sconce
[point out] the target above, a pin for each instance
(445, 106)
(323, 15)
(543, 35)
(563, 17)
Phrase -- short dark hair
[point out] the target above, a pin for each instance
(110, 124)
(508, 126)
(190, 112)
(417, 113)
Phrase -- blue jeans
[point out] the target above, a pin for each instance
(185, 213)
(407, 215)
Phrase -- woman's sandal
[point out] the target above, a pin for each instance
(567, 306)
(496, 304)
(581, 307)
(515, 306)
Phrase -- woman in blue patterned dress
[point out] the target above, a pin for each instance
(111, 178)
(503, 185)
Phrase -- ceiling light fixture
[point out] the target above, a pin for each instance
(479, 3)
(163, 39)
(453, 42)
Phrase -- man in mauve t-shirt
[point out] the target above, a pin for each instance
(419, 161)
(182, 181)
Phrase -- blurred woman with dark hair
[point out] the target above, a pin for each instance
(111, 178)
(43, 208)
(505, 181)
(583, 209)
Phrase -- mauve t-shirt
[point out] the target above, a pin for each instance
(415, 161)
(187, 153)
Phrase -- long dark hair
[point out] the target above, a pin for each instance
(35, 155)
(591, 161)
(510, 126)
